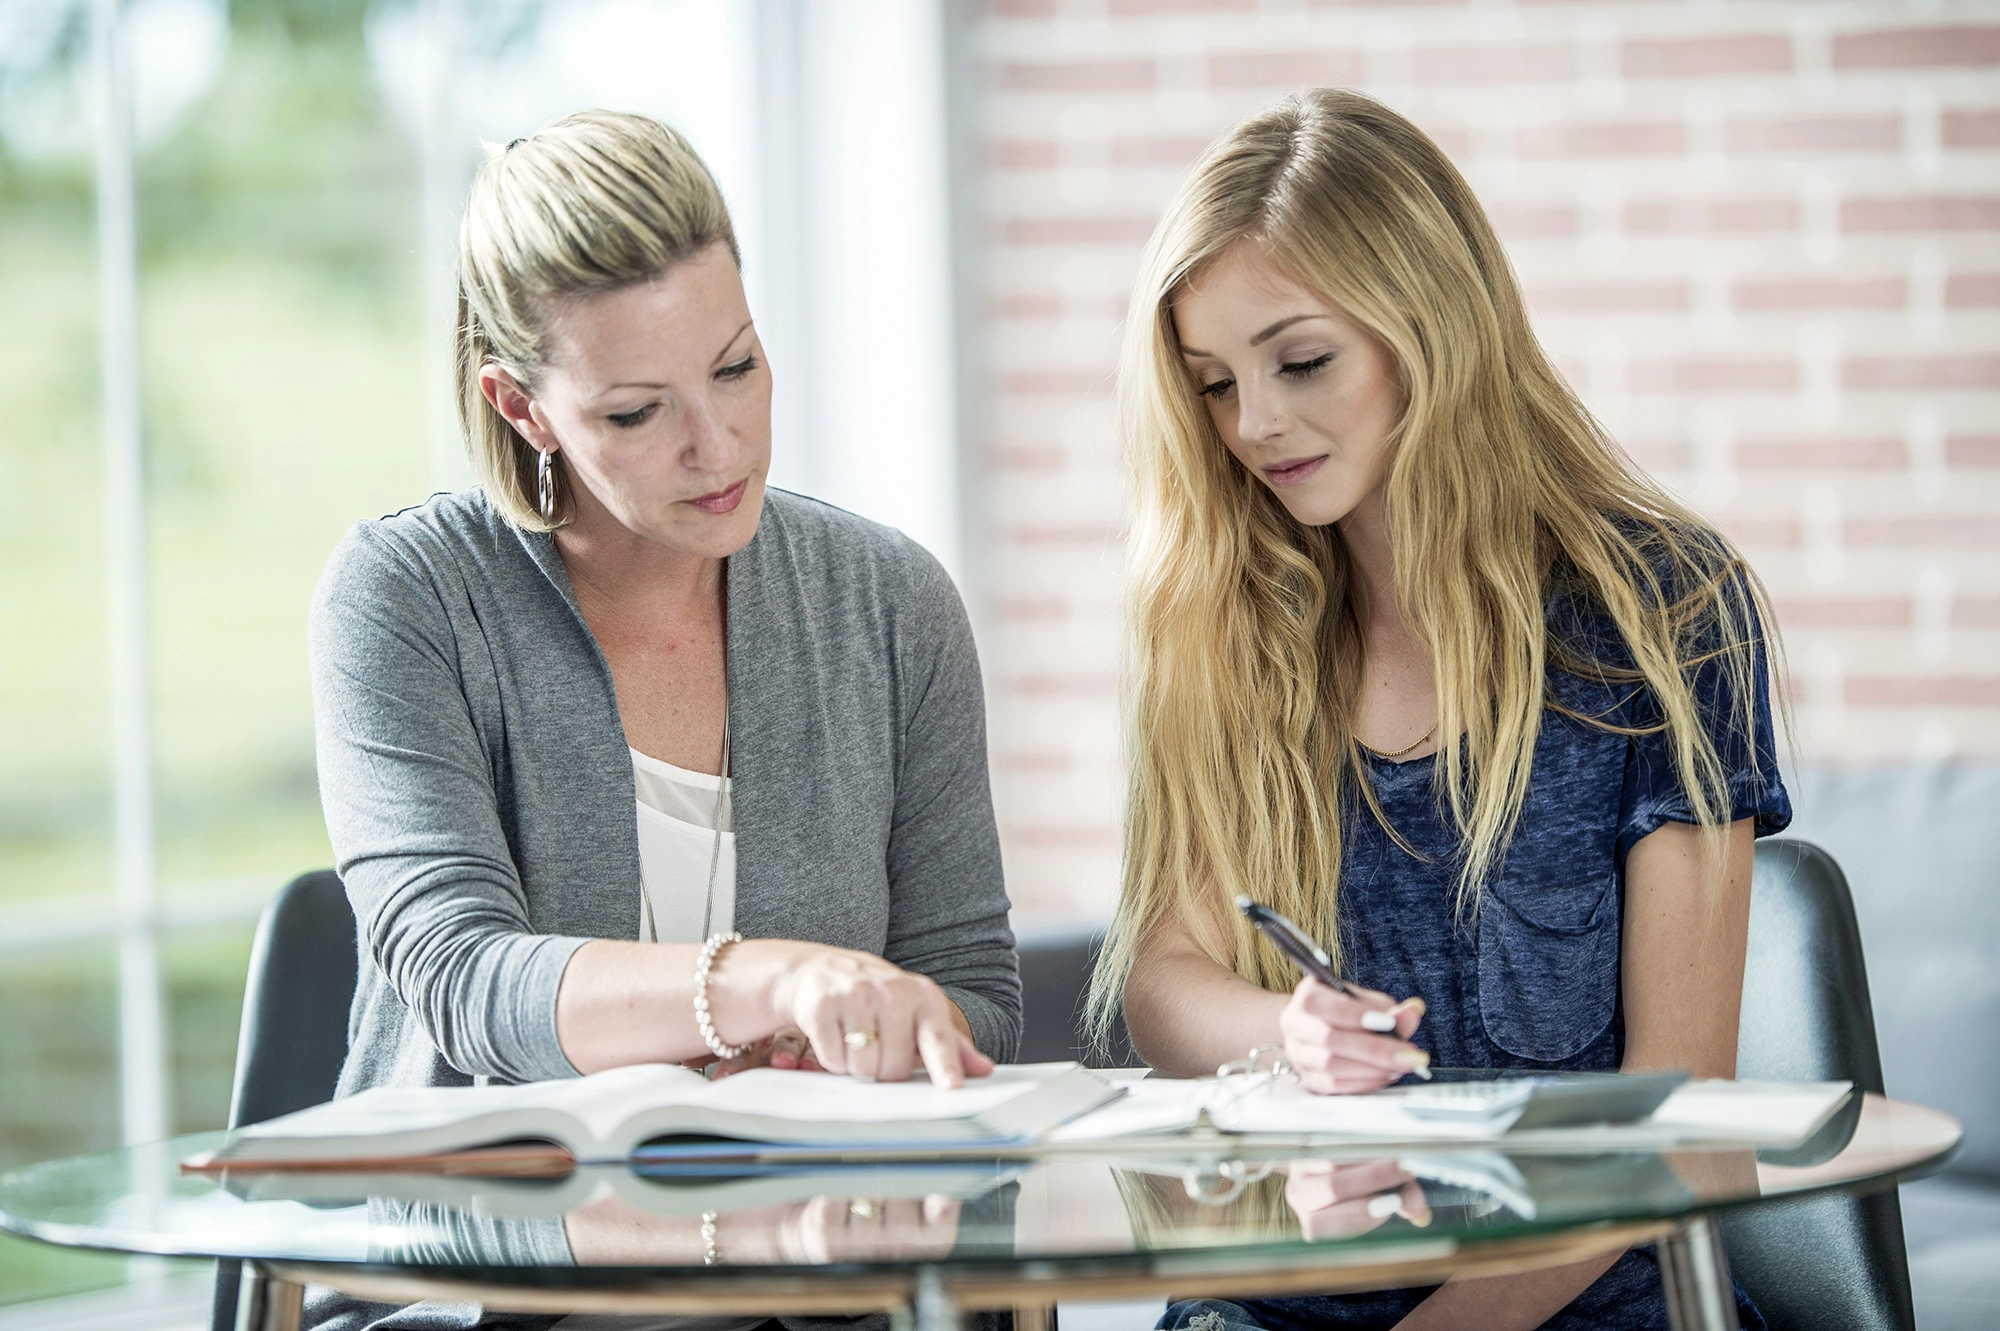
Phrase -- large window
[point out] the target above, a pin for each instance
(293, 171)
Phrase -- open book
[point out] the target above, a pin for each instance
(611, 1116)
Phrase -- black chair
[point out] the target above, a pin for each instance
(1055, 973)
(294, 1033)
(1826, 1261)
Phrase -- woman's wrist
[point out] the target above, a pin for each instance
(743, 987)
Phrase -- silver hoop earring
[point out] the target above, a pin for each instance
(545, 484)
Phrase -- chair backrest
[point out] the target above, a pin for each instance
(294, 1033)
(1823, 1261)
(1055, 972)
(301, 983)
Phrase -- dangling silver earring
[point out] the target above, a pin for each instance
(545, 484)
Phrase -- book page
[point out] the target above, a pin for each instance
(824, 1098)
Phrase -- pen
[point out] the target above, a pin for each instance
(1311, 958)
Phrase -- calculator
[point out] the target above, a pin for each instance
(1541, 1100)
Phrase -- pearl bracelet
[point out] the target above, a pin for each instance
(702, 1021)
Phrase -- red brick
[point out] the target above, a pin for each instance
(1868, 293)
(1715, 376)
(1152, 152)
(1977, 530)
(1020, 459)
(1054, 383)
(1079, 533)
(1617, 139)
(1486, 63)
(1452, 141)
(1767, 533)
(1973, 289)
(1027, 610)
(1840, 613)
(1531, 219)
(1135, 8)
(1913, 48)
(1971, 129)
(1039, 837)
(1046, 761)
(1818, 133)
(1077, 230)
(1821, 455)
(1080, 76)
(1976, 613)
(1636, 297)
(1059, 686)
(1027, 307)
(1286, 69)
(1718, 215)
(1972, 450)
(1922, 691)
(1023, 154)
(1934, 213)
(1746, 53)
(1656, 455)
(1921, 372)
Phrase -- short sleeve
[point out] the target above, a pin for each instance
(1654, 794)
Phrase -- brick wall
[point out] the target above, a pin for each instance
(1760, 238)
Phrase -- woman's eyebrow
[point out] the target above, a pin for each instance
(730, 343)
(712, 364)
(1264, 336)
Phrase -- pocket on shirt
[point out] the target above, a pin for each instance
(1548, 967)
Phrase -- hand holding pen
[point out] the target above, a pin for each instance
(1340, 1037)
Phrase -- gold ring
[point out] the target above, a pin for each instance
(859, 1039)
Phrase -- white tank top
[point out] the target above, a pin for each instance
(679, 813)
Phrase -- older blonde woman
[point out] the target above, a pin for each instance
(625, 757)
(1419, 659)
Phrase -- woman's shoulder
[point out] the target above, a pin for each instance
(457, 528)
(422, 556)
(839, 553)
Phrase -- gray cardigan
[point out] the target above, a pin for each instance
(478, 788)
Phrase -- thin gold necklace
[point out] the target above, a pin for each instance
(1421, 739)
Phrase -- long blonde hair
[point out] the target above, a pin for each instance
(1243, 651)
(592, 202)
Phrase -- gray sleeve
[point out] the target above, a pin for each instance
(948, 900)
(410, 807)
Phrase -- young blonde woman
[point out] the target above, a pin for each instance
(626, 758)
(1418, 659)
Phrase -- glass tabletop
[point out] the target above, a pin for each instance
(1220, 1197)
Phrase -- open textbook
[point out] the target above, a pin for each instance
(613, 1116)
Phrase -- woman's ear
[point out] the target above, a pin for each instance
(515, 406)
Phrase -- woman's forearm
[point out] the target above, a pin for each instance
(1187, 1015)
(1505, 1303)
(623, 1003)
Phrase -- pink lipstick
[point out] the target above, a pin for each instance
(1294, 471)
(722, 501)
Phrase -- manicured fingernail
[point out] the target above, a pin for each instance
(1416, 1060)
(1375, 1019)
(1422, 1218)
(1384, 1205)
(1411, 1004)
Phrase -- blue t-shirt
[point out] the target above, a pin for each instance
(1530, 979)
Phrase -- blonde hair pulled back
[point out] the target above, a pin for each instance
(1243, 653)
(589, 203)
